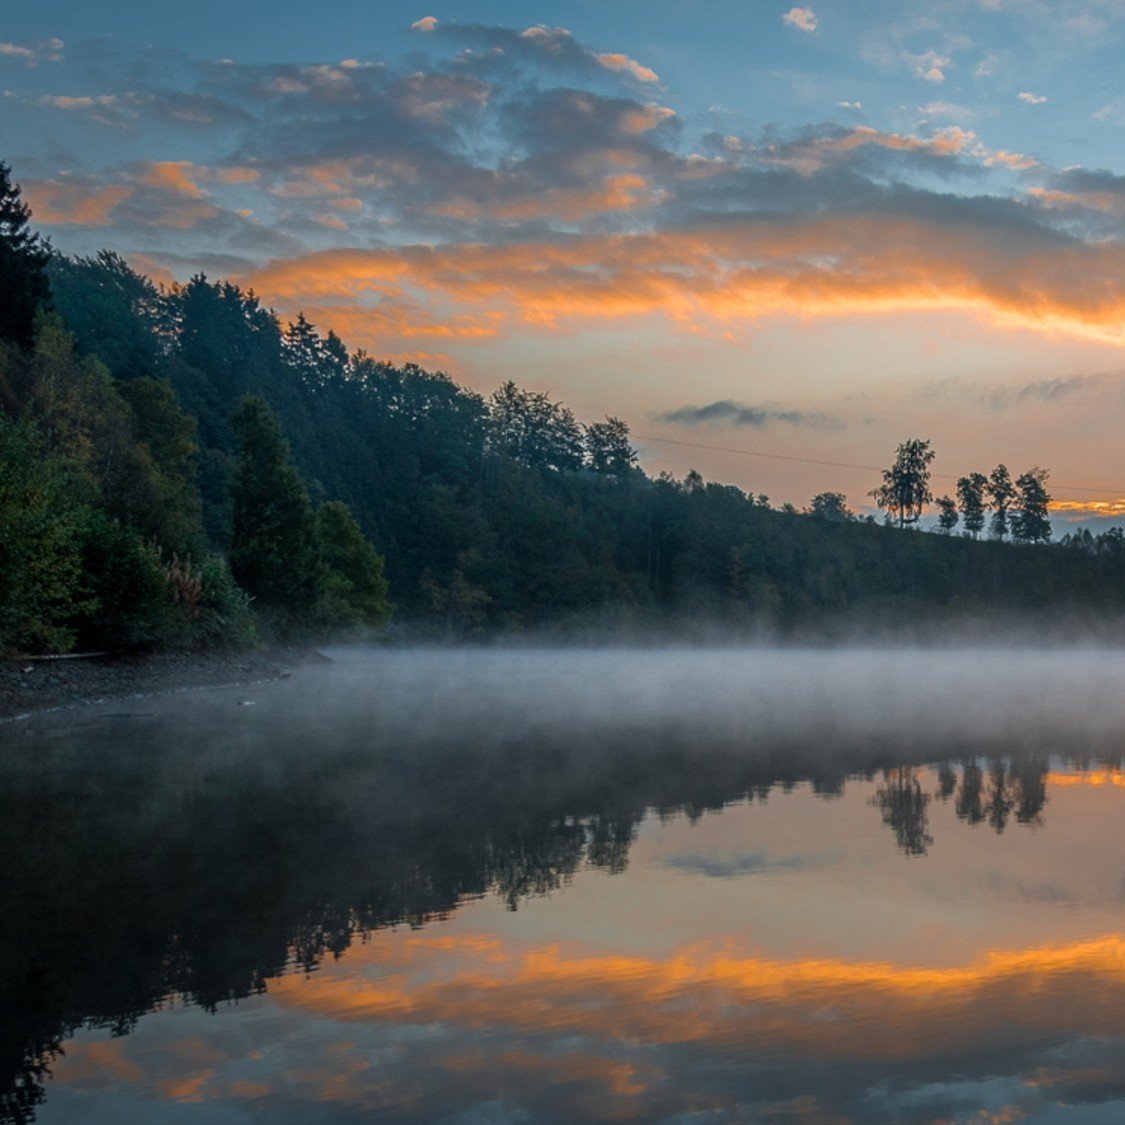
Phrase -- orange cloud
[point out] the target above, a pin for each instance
(62, 201)
(624, 192)
(834, 266)
(1090, 507)
(1110, 203)
(236, 175)
(173, 176)
(619, 63)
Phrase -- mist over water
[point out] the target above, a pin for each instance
(560, 884)
(733, 700)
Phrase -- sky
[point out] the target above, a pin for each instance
(811, 232)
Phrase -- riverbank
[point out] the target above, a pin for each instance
(36, 685)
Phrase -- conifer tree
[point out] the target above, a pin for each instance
(23, 265)
(1030, 523)
(273, 551)
(354, 591)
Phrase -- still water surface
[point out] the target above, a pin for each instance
(585, 885)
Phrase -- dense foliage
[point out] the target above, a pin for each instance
(176, 466)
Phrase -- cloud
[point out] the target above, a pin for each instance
(730, 413)
(74, 201)
(930, 66)
(850, 105)
(1031, 99)
(816, 150)
(744, 863)
(33, 53)
(426, 23)
(980, 256)
(622, 63)
(1046, 390)
(986, 68)
(945, 109)
(1082, 190)
(803, 19)
(525, 183)
(494, 50)
(1112, 112)
(171, 175)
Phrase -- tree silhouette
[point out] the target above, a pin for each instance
(970, 498)
(23, 265)
(947, 513)
(607, 447)
(831, 506)
(1001, 493)
(904, 809)
(1030, 523)
(906, 484)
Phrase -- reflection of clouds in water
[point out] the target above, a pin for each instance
(747, 863)
(1047, 893)
(421, 1027)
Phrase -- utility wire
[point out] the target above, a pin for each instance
(845, 464)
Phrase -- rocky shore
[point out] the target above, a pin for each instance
(34, 685)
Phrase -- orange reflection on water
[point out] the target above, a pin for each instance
(719, 997)
(1090, 779)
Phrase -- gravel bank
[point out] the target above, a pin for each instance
(27, 685)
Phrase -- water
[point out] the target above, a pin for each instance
(508, 886)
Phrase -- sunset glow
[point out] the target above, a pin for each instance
(829, 211)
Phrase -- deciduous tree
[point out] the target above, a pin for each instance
(947, 513)
(905, 490)
(1001, 493)
(1030, 523)
(970, 498)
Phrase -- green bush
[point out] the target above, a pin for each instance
(225, 618)
(124, 578)
(41, 528)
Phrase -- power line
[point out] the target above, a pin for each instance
(845, 464)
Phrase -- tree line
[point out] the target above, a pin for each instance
(1017, 508)
(177, 466)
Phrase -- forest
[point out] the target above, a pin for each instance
(180, 468)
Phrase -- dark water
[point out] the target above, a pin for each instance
(559, 886)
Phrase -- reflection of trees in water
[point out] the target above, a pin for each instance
(1018, 786)
(904, 809)
(128, 875)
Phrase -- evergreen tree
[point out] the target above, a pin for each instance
(305, 351)
(1030, 523)
(906, 484)
(970, 498)
(112, 312)
(168, 434)
(273, 553)
(353, 589)
(24, 288)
